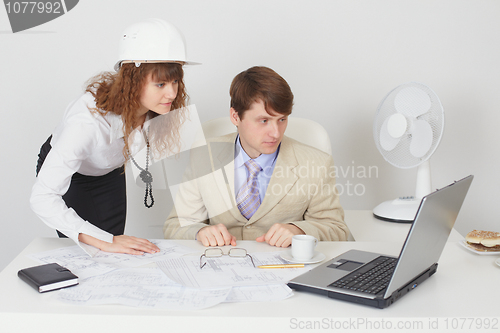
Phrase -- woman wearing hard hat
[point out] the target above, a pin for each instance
(80, 188)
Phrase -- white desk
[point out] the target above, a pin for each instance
(465, 285)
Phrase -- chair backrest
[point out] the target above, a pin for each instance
(303, 130)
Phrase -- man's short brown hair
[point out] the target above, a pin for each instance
(260, 83)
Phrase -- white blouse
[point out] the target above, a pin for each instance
(85, 142)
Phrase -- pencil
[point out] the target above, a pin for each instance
(282, 266)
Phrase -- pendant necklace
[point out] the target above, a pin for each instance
(145, 175)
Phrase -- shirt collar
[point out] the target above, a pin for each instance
(263, 160)
(116, 125)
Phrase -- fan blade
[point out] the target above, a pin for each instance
(387, 142)
(421, 140)
(412, 102)
(396, 125)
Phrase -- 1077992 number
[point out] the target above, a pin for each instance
(471, 323)
(33, 7)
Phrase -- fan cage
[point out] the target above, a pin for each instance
(400, 156)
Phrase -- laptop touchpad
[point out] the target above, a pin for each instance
(345, 265)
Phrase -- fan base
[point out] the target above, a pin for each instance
(401, 210)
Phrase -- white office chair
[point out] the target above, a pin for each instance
(304, 130)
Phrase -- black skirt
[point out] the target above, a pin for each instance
(100, 200)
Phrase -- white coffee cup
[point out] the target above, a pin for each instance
(303, 247)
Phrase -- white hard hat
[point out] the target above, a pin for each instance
(153, 40)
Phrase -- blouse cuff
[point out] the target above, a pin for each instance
(92, 230)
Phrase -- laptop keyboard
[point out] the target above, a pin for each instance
(371, 278)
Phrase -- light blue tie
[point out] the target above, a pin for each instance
(248, 199)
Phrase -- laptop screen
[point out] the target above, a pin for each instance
(429, 232)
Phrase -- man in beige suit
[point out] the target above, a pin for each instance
(260, 184)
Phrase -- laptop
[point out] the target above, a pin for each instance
(379, 280)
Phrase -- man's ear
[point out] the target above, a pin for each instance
(233, 115)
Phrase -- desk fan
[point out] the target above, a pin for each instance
(407, 129)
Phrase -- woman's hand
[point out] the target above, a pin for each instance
(121, 244)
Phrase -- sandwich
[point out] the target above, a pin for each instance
(483, 241)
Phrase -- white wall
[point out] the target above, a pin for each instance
(340, 58)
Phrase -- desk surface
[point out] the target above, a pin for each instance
(465, 285)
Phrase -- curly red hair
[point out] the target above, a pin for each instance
(120, 93)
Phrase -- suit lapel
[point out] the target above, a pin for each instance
(223, 160)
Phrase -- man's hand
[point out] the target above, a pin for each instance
(121, 244)
(280, 235)
(215, 235)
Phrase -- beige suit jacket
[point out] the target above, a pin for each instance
(301, 191)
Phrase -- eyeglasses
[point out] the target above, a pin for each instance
(216, 252)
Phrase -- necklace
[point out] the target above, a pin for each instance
(145, 175)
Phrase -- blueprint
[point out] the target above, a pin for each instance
(176, 281)
(82, 265)
(141, 287)
(267, 293)
(228, 271)
(149, 287)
